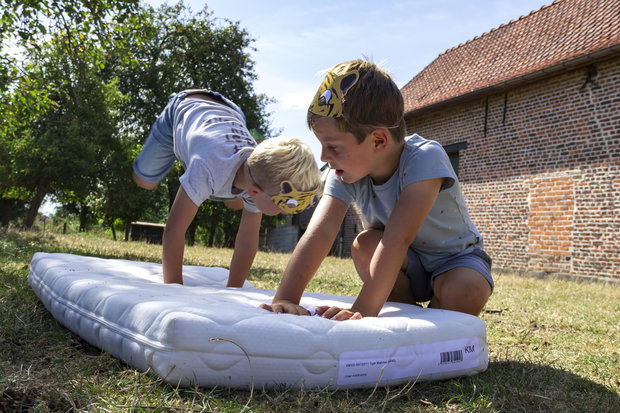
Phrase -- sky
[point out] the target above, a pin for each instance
(296, 41)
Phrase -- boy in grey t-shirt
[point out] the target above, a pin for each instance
(419, 242)
(446, 233)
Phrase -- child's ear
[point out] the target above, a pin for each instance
(381, 138)
(254, 190)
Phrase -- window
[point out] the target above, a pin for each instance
(453, 154)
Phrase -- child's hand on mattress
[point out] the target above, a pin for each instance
(285, 306)
(338, 314)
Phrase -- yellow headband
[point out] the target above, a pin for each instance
(290, 200)
(329, 99)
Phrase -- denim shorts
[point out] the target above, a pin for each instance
(421, 281)
(157, 155)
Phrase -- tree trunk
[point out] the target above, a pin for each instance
(83, 217)
(127, 229)
(6, 210)
(35, 204)
(191, 231)
(212, 229)
(113, 230)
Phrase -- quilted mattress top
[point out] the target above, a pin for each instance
(204, 333)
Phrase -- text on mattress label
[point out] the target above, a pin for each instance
(420, 360)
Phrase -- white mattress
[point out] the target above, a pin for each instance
(202, 333)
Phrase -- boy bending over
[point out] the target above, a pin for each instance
(419, 243)
(222, 161)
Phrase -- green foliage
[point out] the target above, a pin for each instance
(163, 51)
(57, 124)
(81, 99)
(20, 110)
(219, 224)
(29, 18)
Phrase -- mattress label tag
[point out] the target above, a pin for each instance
(357, 367)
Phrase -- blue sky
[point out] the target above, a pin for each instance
(297, 40)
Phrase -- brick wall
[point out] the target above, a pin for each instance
(541, 171)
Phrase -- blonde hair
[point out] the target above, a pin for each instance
(284, 159)
(374, 100)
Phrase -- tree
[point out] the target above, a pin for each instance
(94, 77)
(165, 50)
(18, 110)
(63, 40)
(162, 51)
(117, 196)
(29, 18)
(60, 151)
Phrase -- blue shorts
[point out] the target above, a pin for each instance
(421, 281)
(157, 155)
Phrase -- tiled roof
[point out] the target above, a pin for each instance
(561, 32)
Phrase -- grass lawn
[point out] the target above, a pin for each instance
(553, 347)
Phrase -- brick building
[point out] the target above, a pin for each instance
(530, 116)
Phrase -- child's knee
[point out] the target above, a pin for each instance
(365, 244)
(143, 183)
(367, 239)
(462, 289)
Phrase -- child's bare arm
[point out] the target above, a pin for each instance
(181, 215)
(308, 255)
(413, 206)
(246, 245)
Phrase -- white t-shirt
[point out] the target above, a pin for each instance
(212, 141)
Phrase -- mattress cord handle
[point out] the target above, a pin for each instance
(249, 362)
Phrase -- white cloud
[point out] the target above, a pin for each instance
(295, 100)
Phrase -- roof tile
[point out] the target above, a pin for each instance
(562, 31)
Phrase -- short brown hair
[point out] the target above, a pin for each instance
(374, 100)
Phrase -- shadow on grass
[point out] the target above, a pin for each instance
(514, 386)
(506, 387)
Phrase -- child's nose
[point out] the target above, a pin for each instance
(324, 156)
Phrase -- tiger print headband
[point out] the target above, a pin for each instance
(329, 99)
(292, 201)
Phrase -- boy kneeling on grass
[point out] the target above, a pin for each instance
(419, 243)
(222, 161)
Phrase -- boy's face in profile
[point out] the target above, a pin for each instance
(350, 160)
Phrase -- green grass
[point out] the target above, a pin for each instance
(553, 347)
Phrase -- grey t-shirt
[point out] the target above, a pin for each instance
(212, 142)
(447, 231)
